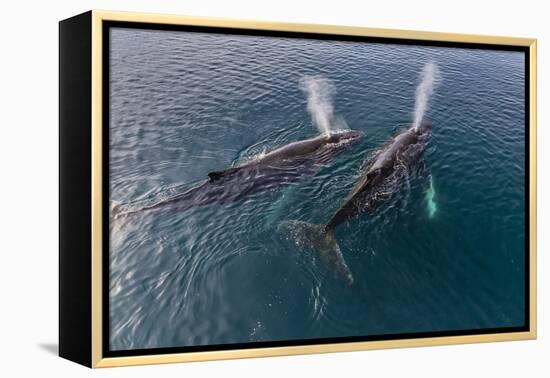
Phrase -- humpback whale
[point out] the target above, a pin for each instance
(371, 189)
(273, 169)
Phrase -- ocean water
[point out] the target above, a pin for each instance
(445, 253)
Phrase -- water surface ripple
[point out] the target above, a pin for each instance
(184, 104)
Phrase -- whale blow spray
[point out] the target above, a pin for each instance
(429, 80)
(320, 92)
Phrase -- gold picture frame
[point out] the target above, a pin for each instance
(89, 330)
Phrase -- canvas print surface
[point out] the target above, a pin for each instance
(267, 188)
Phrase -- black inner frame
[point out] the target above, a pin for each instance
(106, 25)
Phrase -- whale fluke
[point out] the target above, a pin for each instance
(322, 240)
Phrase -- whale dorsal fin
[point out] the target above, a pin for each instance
(218, 175)
(214, 176)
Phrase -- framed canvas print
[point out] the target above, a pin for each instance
(235, 189)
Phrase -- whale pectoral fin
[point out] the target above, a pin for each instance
(430, 195)
(422, 169)
(218, 175)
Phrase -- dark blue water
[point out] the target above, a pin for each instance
(184, 104)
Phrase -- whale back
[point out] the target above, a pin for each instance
(386, 158)
(294, 149)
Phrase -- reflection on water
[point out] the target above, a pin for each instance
(185, 104)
